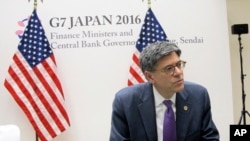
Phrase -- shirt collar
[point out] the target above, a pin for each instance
(159, 99)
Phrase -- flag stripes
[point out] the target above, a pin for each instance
(135, 73)
(24, 83)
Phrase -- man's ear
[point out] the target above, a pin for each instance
(148, 75)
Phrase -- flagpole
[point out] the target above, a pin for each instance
(36, 137)
(35, 7)
(149, 3)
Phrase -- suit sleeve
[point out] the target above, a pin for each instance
(209, 130)
(119, 126)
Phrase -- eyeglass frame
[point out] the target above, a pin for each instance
(170, 69)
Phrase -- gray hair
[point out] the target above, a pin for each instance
(154, 52)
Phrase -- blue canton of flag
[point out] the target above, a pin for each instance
(34, 46)
(151, 31)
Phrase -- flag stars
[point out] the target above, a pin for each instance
(151, 31)
(35, 42)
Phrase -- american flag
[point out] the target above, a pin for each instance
(151, 31)
(33, 82)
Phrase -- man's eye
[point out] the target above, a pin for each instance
(169, 68)
(179, 64)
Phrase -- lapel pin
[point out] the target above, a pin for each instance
(185, 108)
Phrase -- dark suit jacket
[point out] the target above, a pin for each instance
(134, 117)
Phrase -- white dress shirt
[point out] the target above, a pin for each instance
(160, 109)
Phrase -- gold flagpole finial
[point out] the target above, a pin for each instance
(149, 3)
(35, 3)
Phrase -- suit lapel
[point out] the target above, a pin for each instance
(183, 107)
(148, 115)
(147, 111)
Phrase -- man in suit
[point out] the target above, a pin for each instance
(138, 111)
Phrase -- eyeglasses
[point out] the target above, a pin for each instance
(170, 69)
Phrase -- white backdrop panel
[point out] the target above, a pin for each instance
(92, 75)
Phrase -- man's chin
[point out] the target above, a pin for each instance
(180, 87)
